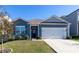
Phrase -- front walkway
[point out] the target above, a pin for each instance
(37, 40)
(63, 45)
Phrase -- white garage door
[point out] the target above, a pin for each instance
(53, 33)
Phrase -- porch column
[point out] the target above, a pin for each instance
(69, 30)
(30, 31)
(38, 30)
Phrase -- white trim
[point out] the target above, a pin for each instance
(62, 19)
(77, 24)
(56, 27)
(52, 24)
(68, 30)
(77, 28)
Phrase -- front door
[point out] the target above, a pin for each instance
(34, 31)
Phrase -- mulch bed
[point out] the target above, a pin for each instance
(6, 50)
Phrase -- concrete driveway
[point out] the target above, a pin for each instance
(63, 45)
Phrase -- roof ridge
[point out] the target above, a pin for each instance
(72, 12)
(20, 19)
(48, 18)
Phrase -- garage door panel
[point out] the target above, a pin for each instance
(53, 33)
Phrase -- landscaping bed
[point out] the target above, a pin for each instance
(76, 38)
(6, 50)
(28, 46)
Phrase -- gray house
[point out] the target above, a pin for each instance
(73, 18)
(52, 28)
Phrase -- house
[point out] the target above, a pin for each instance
(78, 28)
(52, 28)
(73, 18)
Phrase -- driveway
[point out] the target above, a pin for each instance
(63, 45)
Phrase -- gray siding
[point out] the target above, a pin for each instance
(72, 18)
(78, 29)
(58, 26)
(22, 23)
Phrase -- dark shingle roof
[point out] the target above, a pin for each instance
(55, 19)
(19, 19)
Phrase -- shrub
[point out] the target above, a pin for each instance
(67, 37)
(75, 37)
(10, 39)
(38, 37)
(21, 37)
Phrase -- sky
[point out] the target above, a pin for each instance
(29, 12)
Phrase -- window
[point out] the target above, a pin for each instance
(20, 30)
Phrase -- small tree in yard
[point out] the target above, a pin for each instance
(5, 28)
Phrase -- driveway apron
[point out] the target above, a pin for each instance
(63, 45)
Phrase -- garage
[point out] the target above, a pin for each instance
(53, 33)
(54, 28)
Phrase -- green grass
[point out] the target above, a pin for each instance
(76, 40)
(28, 46)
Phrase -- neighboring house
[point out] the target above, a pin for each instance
(78, 28)
(52, 28)
(73, 18)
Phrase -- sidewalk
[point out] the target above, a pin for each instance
(63, 45)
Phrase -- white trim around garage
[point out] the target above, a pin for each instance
(52, 24)
(69, 30)
(77, 28)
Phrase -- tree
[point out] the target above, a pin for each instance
(5, 27)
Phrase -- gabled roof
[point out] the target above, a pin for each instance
(35, 22)
(19, 19)
(55, 19)
(73, 12)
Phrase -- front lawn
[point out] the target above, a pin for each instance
(27, 46)
(76, 40)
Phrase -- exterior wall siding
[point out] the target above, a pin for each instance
(72, 18)
(78, 29)
(22, 23)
